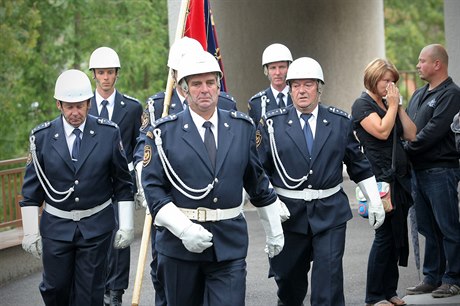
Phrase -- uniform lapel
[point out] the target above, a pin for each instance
(193, 139)
(294, 131)
(88, 142)
(323, 130)
(93, 108)
(271, 100)
(119, 109)
(289, 99)
(225, 139)
(60, 143)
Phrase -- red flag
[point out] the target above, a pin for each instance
(200, 26)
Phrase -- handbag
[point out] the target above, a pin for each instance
(385, 195)
(383, 188)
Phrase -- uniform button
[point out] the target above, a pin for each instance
(77, 200)
(309, 186)
(311, 171)
(216, 180)
(76, 182)
(215, 200)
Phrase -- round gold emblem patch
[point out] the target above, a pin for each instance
(145, 120)
(258, 138)
(147, 155)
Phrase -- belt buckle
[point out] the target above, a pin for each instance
(310, 194)
(307, 195)
(201, 214)
(76, 216)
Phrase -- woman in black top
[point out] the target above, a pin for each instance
(376, 113)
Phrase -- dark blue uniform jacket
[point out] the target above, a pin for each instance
(100, 172)
(237, 166)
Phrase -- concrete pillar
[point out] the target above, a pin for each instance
(451, 26)
(342, 35)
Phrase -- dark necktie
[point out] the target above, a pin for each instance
(104, 111)
(280, 100)
(76, 144)
(210, 143)
(307, 131)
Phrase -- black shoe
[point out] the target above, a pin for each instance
(113, 298)
(280, 303)
(421, 288)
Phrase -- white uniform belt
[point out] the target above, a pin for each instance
(202, 214)
(76, 215)
(130, 166)
(308, 194)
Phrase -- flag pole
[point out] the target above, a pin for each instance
(148, 218)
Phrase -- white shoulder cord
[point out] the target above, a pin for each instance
(169, 170)
(277, 160)
(41, 174)
(263, 104)
(151, 110)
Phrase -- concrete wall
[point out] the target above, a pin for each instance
(451, 26)
(342, 35)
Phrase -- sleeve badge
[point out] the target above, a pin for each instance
(258, 138)
(147, 155)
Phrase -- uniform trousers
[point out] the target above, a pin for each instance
(195, 283)
(292, 265)
(74, 271)
(160, 299)
(436, 206)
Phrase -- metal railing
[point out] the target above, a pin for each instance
(11, 178)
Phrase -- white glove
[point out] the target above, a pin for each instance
(195, 237)
(32, 241)
(139, 197)
(284, 211)
(375, 207)
(270, 218)
(125, 234)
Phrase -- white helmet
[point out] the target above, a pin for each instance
(104, 57)
(73, 86)
(305, 68)
(276, 53)
(197, 63)
(181, 47)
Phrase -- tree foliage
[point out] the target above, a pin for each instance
(40, 39)
(409, 26)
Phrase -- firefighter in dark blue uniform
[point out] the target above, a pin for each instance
(126, 112)
(275, 62)
(304, 162)
(77, 164)
(193, 178)
(153, 111)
